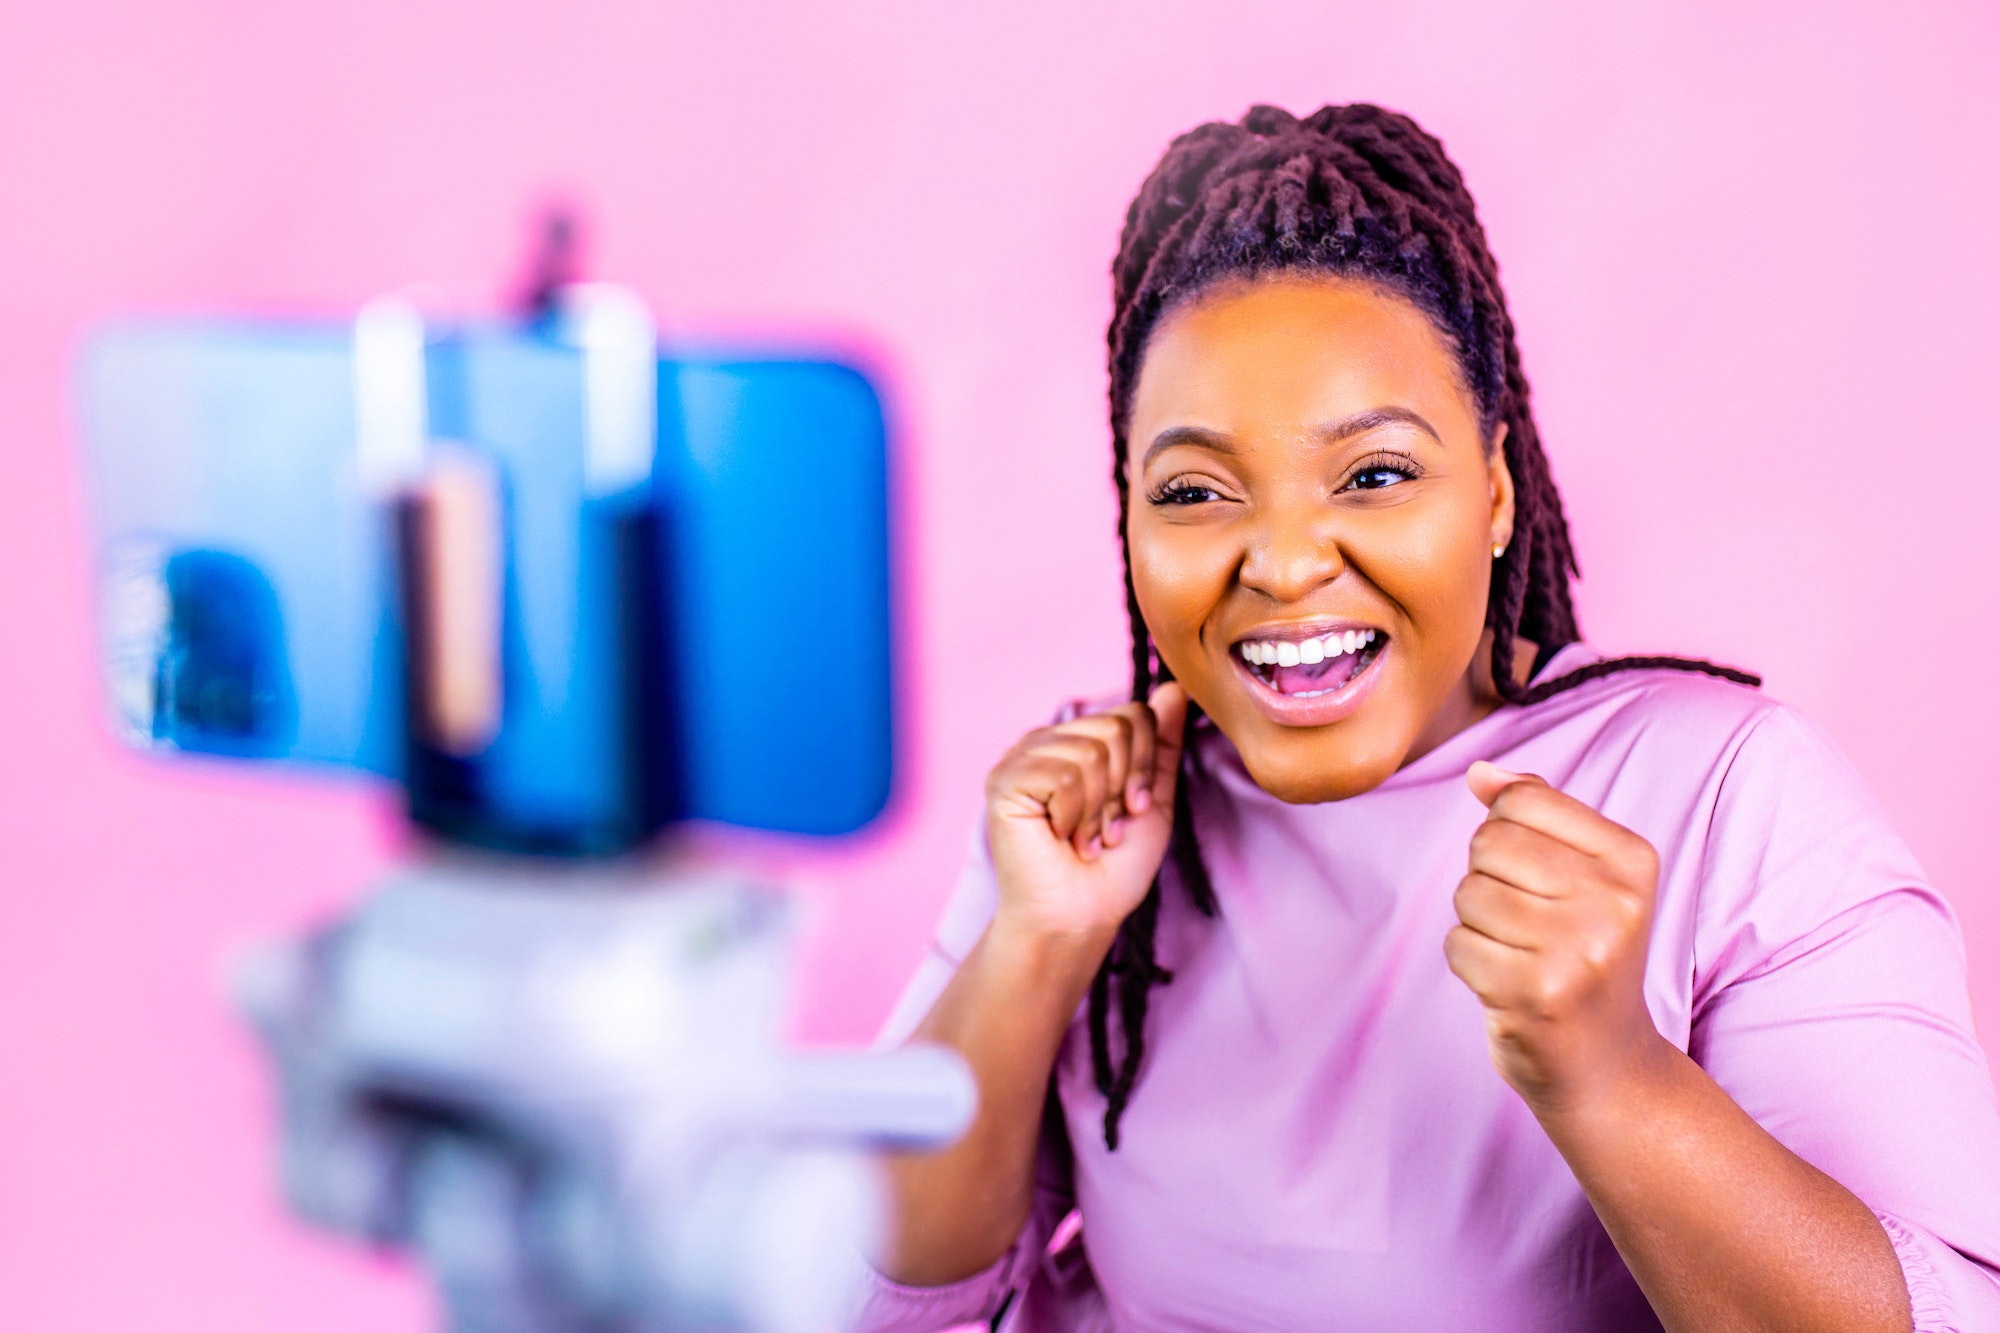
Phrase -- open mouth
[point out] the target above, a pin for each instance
(1310, 667)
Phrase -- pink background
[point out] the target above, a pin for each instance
(1751, 251)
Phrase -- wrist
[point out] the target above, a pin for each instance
(1627, 1080)
(1048, 953)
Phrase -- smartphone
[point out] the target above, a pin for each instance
(706, 637)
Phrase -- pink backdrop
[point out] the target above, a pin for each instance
(1751, 252)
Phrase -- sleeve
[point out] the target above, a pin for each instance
(1830, 1001)
(892, 1307)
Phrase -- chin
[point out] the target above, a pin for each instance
(1314, 767)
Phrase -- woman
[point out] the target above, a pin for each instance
(1237, 962)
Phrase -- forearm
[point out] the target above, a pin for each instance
(954, 1212)
(1723, 1226)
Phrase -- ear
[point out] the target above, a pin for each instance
(1500, 485)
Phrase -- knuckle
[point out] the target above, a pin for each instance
(1546, 991)
(1009, 771)
(1072, 735)
(1627, 921)
(1597, 949)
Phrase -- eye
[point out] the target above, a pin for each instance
(1382, 470)
(1181, 491)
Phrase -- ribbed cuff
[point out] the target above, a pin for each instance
(1930, 1305)
(893, 1307)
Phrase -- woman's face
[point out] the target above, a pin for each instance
(1312, 522)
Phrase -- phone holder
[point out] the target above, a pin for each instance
(566, 592)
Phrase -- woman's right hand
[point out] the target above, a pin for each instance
(1077, 817)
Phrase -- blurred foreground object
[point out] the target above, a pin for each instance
(563, 1089)
(566, 593)
(687, 599)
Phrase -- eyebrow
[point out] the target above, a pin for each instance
(1360, 423)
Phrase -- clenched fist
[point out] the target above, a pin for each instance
(1555, 913)
(1077, 816)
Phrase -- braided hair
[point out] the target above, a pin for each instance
(1354, 192)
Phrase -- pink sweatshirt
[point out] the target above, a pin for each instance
(1318, 1139)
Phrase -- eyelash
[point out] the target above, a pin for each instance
(1402, 465)
(1185, 491)
(1180, 491)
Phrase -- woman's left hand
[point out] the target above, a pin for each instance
(1554, 917)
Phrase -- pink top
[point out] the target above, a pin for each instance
(1318, 1139)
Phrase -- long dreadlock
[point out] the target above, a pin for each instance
(1349, 191)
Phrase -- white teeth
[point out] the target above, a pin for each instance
(1307, 652)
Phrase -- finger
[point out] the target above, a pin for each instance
(1047, 787)
(1502, 912)
(1490, 970)
(1169, 705)
(1528, 799)
(1487, 780)
(1114, 729)
(1529, 859)
(1092, 760)
(1144, 743)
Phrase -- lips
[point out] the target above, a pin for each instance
(1311, 675)
(1304, 668)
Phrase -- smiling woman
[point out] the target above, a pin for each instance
(1417, 835)
(1314, 463)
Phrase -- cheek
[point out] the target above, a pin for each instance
(1435, 562)
(1180, 574)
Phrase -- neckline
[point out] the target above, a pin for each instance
(1447, 753)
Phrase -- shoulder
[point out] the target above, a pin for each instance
(1693, 706)
(1649, 741)
(1741, 782)
(1735, 734)
(1766, 831)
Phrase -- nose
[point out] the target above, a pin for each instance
(1291, 555)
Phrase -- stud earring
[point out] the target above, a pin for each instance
(1499, 549)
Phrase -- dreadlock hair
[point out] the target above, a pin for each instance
(1354, 192)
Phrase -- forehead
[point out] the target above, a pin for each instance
(1300, 351)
